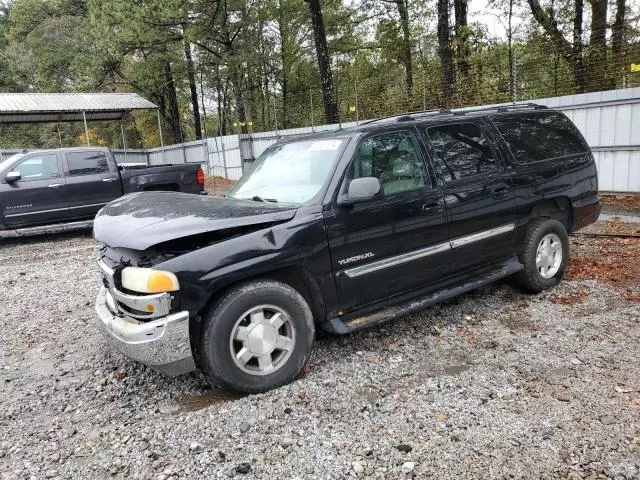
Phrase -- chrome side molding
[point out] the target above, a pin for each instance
(476, 237)
(431, 250)
(393, 261)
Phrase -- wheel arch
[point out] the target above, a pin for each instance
(558, 208)
(297, 277)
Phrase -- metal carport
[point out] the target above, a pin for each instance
(72, 107)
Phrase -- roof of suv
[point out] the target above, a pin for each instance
(420, 116)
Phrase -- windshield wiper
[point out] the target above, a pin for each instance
(257, 198)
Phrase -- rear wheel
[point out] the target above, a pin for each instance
(257, 337)
(544, 255)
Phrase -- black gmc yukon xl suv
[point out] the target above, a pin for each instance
(340, 231)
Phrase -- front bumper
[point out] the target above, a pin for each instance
(162, 344)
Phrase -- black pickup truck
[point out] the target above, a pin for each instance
(340, 231)
(46, 187)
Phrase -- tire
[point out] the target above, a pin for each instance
(249, 313)
(533, 277)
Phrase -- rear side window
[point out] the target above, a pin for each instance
(87, 163)
(540, 136)
(462, 150)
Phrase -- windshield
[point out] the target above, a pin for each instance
(9, 160)
(289, 173)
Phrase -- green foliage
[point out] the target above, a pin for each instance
(255, 59)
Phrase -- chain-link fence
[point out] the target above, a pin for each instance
(494, 73)
(606, 119)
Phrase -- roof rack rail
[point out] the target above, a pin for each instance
(435, 111)
(402, 117)
(405, 117)
(501, 108)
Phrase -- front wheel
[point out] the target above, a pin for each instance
(545, 254)
(257, 337)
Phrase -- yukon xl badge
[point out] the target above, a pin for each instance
(357, 258)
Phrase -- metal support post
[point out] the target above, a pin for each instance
(86, 128)
(59, 136)
(124, 140)
(160, 132)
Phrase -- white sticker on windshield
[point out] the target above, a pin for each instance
(326, 145)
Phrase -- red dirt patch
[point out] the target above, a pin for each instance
(615, 226)
(571, 299)
(611, 260)
(629, 203)
(217, 185)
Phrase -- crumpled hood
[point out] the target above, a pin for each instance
(141, 220)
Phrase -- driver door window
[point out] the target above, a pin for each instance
(379, 248)
(462, 150)
(392, 158)
(39, 167)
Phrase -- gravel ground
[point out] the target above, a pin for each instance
(496, 384)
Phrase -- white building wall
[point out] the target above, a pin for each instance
(610, 122)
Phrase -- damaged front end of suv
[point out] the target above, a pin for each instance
(156, 261)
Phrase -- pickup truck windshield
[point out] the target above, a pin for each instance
(289, 173)
(9, 160)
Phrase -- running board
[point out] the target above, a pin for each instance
(342, 327)
(55, 228)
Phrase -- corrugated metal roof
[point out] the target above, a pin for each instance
(52, 107)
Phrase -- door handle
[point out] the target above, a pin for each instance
(109, 179)
(55, 185)
(499, 192)
(432, 208)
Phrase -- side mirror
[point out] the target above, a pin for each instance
(12, 177)
(362, 190)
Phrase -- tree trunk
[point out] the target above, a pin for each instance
(226, 109)
(548, 22)
(266, 117)
(578, 61)
(598, 46)
(237, 91)
(618, 43)
(222, 128)
(512, 65)
(262, 81)
(444, 50)
(285, 66)
(324, 64)
(172, 103)
(197, 125)
(264, 101)
(462, 34)
(285, 93)
(406, 44)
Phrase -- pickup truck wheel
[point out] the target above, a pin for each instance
(257, 337)
(544, 255)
